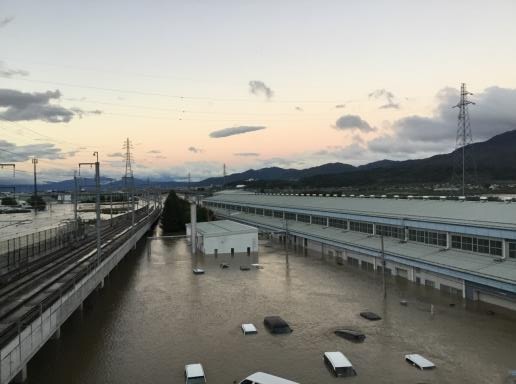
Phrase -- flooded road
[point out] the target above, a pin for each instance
(154, 316)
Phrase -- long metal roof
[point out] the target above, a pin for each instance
(489, 214)
(223, 227)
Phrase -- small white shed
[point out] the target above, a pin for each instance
(225, 237)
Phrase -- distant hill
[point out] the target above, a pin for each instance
(276, 173)
(495, 161)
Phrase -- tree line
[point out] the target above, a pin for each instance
(176, 214)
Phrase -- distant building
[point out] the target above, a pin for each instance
(225, 237)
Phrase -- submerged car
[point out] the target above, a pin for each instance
(419, 361)
(249, 329)
(194, 374)
(265, 378)
(338, 364)
(276, 324)
(370, 316)
(350, 334)
(198, 271)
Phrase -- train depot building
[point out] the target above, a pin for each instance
(466, 248)
(225, 237)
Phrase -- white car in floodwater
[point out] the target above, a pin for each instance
(265, 378)
(194, 374)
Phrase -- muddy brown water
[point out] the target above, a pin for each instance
(154, 316)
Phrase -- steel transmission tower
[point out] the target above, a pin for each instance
(128, 160)
(464, 169)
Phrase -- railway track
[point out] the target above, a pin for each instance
(35, 289)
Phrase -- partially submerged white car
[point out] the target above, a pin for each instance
(338, 364)
(194, 374)
(419, 361)
(249, 329)
(265, 378)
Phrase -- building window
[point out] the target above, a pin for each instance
(360, 226)
(430, 283)
(428, 237)
(319, 220)
(390, 231)
(252, 210)
(512, 250)
(267, 212)
(338, 223)
(278, 214)
(477, 244)
(303, 218)
(290, 216)
(259, 211)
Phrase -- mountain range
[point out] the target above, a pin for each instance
(494, 161)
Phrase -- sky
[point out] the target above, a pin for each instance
(199, 83)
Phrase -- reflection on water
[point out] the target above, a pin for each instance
(154, 316)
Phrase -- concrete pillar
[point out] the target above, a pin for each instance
(193, 226)
(374, 229)
(57, 334)
(505, 249)
(406, 234)
(21, 377)
(448, 240)
(327, 221)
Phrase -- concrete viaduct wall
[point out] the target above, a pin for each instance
(17, 353)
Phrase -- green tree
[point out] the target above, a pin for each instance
(175, 214)
(37, 202)
(9, 201)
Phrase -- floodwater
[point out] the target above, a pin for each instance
(154, 316)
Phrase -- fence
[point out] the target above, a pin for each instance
(19, 250)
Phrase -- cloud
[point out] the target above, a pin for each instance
(81, 113)
(299, 109)
(246, 154)
(19, 153)
(494, 113)
(116, 154)
(340, 106)
(195, 150)
(383, 94)
(33, 106)
(10, 73)
(235, 131)
(5, 21)
(353, 122)
(154, 151)
(257, 87)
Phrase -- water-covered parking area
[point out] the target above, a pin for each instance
(154, 316)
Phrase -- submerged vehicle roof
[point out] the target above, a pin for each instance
(194, 370)
(247, 328)
(265, 378)
(420, 361)
(275, 321)
(338, 360)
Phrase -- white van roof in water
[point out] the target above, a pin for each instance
(265, 378)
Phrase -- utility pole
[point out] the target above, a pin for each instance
(464, 139)
(224, 175)
(383, 270)
(35, 200)
(97, 200)
(75, 196)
